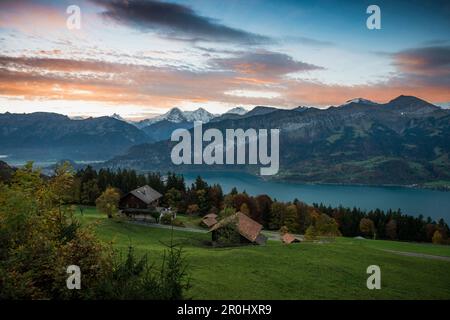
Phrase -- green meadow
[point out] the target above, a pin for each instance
(334, 270)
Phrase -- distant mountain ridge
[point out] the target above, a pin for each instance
(43, 135)
(237, 110)
(404, 141)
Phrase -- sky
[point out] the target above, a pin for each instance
(139, 58)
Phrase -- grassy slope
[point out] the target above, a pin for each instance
(302, 271)
(190, 221)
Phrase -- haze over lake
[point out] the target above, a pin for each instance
(435, 204)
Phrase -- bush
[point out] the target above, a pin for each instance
(136, 279)
(40, 238)
(166, 219)
(437, 237)
(311, 233)
(177, 223)
(155, 215)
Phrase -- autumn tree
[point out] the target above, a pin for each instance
(89, 192)
(203, 201)
(215, 194)
(244, 209)
(192, 209)
(39, 238)
(311, 233)
(327, 226)
(437, 237)
(277, 213)
(108, 202)
(173, 197)
(391, 229)
(367, 227)
(226, 212)
(289, 218)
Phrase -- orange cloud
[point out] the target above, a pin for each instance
(163, 87)
(26, 15)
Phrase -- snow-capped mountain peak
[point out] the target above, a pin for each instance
(237, 110)
(198, 115)
(175, 115)
(360, 100)
(118, 117)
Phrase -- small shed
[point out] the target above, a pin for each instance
(211, 215)
(209, 222)
(249, 230)
(289, 238)
(141, 200)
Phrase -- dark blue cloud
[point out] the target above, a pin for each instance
(174, 21)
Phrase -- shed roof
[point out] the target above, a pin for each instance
(209, 222)
(289, 238)
(246, 226)
(146, 193)
(210, 215)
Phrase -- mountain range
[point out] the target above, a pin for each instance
(405, 141)
(161, 127)
(175, 115)
(402, 142)
(51, 136)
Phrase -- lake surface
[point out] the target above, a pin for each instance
(435, 204)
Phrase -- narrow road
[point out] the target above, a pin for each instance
(272, 235)
(163, 226)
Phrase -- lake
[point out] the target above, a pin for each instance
(435, 204)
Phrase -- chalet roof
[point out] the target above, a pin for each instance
(289, 238)
(209, 222)
(247, 227)
(146, 193)
(210, 215)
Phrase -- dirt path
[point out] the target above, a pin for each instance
(272, 235)
(163, 226)
(419, 255)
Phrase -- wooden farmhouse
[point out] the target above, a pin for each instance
(248, 229)
(141, 200)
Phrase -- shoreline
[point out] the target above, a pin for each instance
(283, 179)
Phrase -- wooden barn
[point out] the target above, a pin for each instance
(249, 230)
(141, 200)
